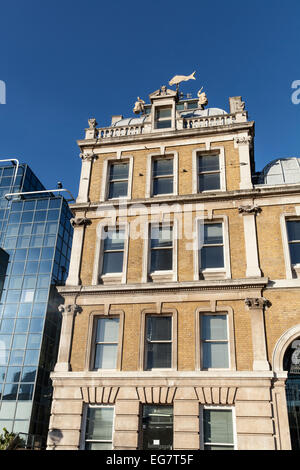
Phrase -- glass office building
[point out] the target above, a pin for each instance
(35, 237)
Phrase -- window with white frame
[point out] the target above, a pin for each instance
(211, 246)
(217, 428)
(158, 342)
(118, 180)
(106, 342)
(163, 117)
(162, 175)
(293, 231)
(214, 341)
(161, 248)
(113, 251)
(99, 428)
(208, 172)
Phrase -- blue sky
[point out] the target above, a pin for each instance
(65, 61)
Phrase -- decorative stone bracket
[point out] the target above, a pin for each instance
(254, 303)
(249, 209)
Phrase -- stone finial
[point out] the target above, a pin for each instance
(92, 123)
(249, 209)
(254, 303)
(236, 105)
(80, 221)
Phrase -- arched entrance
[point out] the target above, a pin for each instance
(291, 363)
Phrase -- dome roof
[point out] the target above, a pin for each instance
(130, 121)
(281, 171)
(203, 112)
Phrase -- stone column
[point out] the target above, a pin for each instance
(243, 144)
(79, 224)
(68, 314)
(281, 415)
(84, 184)
(256, 307)
(249, 218)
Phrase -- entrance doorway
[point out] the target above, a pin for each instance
(157, 427)
(291, 363)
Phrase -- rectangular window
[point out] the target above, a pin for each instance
(212, 249)
(158, 342)
(113, 251)
(163, 118)
(208, 173)
(106, 343)
(99, 428)
(218, 429)
(214, 342)
(293, 230)
(157, 427)
(118, 180)
(162, 176)
(161, 248)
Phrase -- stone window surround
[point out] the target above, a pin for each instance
(228, 311)
(97, 269)
(90, 350)
(84, 421)
(163, 102)
(165, 312)
(149, 180)
(216, 407)
(213, 273)
(202, 152)
(284, 218)
(159, 276)
(105, 176)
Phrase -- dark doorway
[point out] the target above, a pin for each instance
(291, 363)
(157, 427)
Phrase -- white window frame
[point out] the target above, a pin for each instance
(105, 177)
(162, 103)
(111, 278)
(224, 310)
(84, 423)
(142, 355)
(292, 271)
(160, 276)
(217, 407)
(149, 181)
(197, 153)
(91, 343)
(213, 273)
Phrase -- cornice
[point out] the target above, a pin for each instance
(256, 192)
(176, 287)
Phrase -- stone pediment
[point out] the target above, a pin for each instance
(163, 92)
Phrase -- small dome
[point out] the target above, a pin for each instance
(204, 112)
(130, 121)
(281, 171)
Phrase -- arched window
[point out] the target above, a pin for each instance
(291, 363)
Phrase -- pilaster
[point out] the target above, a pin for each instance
(68, 314)
(256, 308)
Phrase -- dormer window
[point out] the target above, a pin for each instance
(163, 117)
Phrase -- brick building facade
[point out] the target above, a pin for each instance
(181, 308)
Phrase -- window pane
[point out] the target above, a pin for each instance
(215, 355)
(218, 426)
(119, 171)
(209, 181)
(163, 167)
(118, 189)
(212, 257)
(163, 112)
(295, 252)
(209, 163)
(161, 236)
(162, 186)
(158, 355)
(106, 356)
(98, 446)
(293, 228)
(163, 124)
(99, 423)
(114, 240)
(161, 260)
(158, 328)
(112, 262)
(107, 330)
(214, 327)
